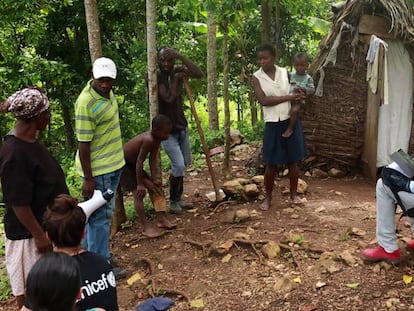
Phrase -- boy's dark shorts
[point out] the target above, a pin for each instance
(129, 177)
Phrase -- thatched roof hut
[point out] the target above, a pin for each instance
(341, 124)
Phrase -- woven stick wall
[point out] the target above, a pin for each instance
(334, 123)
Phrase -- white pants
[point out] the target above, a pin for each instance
(21, 255)
(386, 236)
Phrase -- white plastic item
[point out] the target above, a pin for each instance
(98, 199)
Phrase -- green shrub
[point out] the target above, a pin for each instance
(74, 182)
(131, 213)
(5, 288)
(250, 133)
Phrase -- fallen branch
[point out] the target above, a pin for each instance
(209, 247)
(200, 245)
(222, 204)
(153, 291)
(292, 253)
(168, 291)
(149, 263)
(252, 245)
(230, 227)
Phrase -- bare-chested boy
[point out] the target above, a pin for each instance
(135, 179)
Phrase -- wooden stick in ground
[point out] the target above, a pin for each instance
(202, 139)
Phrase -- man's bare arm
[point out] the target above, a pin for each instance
(89, 185)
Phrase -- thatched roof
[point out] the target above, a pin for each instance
(334, 124)
(399, 13)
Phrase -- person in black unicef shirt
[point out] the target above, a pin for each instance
(64, 222)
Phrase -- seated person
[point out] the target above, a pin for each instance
(54, 283)
(388, 250)
(64, 223)
(135, 179)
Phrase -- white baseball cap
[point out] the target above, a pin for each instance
(104, 68)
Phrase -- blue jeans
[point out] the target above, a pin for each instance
(99, 223)
(177, 147)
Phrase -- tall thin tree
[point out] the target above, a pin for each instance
(152, 57)
(213, 123)
(266, 21)
(226, 97)
(151, 20)
(94, 32)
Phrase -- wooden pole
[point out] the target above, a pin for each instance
(203, 140)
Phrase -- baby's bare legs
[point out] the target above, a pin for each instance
(294, 114)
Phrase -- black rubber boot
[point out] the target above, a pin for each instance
(175, 195)
(182, 203)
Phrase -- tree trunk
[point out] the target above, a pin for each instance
(70, 138)
(265, 26)
(151, 15)
(226, 99)
(94, 32)
(278, 28)
(152, 57)
(253, 108)
(213, 122)
(119, 215)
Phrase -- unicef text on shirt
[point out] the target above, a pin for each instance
(92, 288)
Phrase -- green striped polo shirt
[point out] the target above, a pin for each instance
(97, 121)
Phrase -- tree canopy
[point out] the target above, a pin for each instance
(45, 43)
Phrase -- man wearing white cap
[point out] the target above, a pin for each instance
(100, 155)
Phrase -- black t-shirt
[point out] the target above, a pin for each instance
(98, 283)
(29, 176)
(174, 111)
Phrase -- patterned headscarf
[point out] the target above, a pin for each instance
(27, 103)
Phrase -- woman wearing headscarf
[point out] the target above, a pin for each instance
(31, 178)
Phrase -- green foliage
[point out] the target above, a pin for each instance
(252, 134)
(300, 239)
(74, 182)
(2, 235)
(236, 219)
(198, 161)
(160, 292)
(345, 236)
(149, 208)
(289, 257)
(131, 213)
(45, 43)
(165, 161)
(5, 288)
(303, 27)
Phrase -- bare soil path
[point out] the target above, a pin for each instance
(318, 268)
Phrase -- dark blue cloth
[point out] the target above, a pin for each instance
(155, 304)
(280, 150)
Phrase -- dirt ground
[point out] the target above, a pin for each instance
(318, 267)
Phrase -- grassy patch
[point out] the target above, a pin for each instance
(5, 288)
